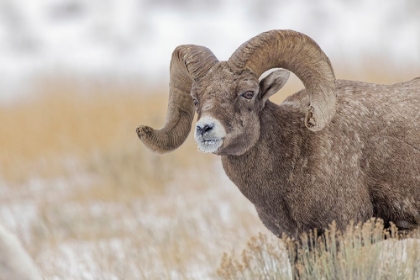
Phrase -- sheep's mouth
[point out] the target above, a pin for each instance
(210, 142)
(209, 145)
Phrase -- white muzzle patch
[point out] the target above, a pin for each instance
(209, 134)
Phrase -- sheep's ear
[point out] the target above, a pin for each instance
(273, 83)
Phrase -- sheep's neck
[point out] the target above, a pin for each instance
(265, 173)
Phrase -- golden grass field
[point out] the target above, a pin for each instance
(88, 201)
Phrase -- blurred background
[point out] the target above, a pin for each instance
(87, 200)
(131, 40)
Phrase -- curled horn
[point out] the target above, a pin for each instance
(299, 54)
(188, 63)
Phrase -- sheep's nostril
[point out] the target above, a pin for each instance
(201, 129)
(207, 127)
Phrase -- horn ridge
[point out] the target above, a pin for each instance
(299, 54)
(188, 63)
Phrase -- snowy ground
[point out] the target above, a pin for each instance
(179, 235)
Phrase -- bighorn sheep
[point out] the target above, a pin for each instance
(337, 150)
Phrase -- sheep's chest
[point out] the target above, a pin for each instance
(256, 179)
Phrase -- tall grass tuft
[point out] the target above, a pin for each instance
(363, 251)
(264, 258)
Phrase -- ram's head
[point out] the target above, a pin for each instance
(228, 96)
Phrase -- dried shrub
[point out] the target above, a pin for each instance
(363, 251)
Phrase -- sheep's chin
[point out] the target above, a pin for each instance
(210, 145)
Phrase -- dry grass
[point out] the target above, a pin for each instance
(89, 201)
(365, 251)
(61, 122)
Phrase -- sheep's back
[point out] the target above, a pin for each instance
(389, 118)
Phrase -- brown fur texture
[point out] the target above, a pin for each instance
(365, 164)
(336, 151)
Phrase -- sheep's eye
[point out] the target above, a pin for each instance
(195, 101)
(248, 94)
